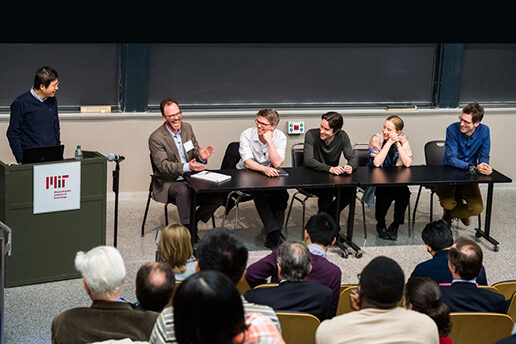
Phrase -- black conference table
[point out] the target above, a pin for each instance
(423, 174)
(298, 177)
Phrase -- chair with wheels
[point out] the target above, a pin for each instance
(479, 327)
(151, 196)
(434, 152)
(300, 195)
(234, 198)
(297, 327)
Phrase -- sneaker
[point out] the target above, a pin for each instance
(466, 221)
(273, 239)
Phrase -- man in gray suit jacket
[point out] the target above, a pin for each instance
(175, 151)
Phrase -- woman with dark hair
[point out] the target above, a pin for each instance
(423, 295)
(208, 309)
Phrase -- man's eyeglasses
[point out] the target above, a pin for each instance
(173, 115)
(261, 123)
(465, 122)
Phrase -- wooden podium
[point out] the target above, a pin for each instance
(44, 245)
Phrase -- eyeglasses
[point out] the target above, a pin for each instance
(465, 122)
(173, 115)
(261, 123)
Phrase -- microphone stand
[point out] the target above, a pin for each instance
(116, 180)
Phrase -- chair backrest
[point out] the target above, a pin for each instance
(298, 327)
(344, 304)
(507, 288)
(479, 327)
(434, 152)
(243, 286)
(231, 156)
(298, 154)
(362, 152)
(511, 311)
(490, 287)
(266, 285)
(154, 168)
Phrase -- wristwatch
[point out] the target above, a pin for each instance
(472, 169)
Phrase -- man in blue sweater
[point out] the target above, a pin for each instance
(467, 147)
(34, 120)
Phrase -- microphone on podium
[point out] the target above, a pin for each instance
(115, 157)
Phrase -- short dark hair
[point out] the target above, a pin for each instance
(221, 250)
(467, 257)
(152, 296)
(166, 102)
(322, 228)
(294, 259)
(382, 282)
(334, 119)
(208, 309)
(437, 235)
(475, 110)
(424, 295)
(44, 76)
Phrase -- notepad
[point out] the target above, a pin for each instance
(212, 176)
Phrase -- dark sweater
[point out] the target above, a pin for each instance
(32, 124)
(321, 157)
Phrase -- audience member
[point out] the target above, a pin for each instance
(323, 148)
(262, 149)
(508, 340)
(463, 295)
(377, 319)
(438, 239)
(208, 309)
(294, 293)
(467, 147)
(175, 151)
(390, 147)
(175, 248)
(34, 120)
(103, 272)
(155, 284)
(423, 295)
(222, 251)
(320, 234)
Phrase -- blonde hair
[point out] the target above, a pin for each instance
(397, 121)
(270, 114)
(175, 246)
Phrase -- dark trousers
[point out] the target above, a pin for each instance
(385, 195)
(271, 206)
(327, 199)
(207, 203)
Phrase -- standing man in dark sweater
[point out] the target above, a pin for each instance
(322, 151)
(34, 121)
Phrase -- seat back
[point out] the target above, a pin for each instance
(298, 327)
(362, 152)
(266, 285)
(511, 311)
(489, 287)
(507, 288)
(298, 154)
(243, 286)
(344, 304)
(231, 156)
(434, 152)
(479, 327)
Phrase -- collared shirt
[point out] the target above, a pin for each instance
(180, 149)
(252, 148)
(317, 250)
(462, 150)
(462, 280)
(36, 96)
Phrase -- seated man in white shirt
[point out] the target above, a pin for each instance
(262, 148)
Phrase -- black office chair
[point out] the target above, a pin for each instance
(300, 195)
(362, 151)
(234, 198)
(150, 196)
(434, 152)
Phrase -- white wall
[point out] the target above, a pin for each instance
(127, 134)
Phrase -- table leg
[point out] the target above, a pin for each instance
(348, 240)
(487, 222)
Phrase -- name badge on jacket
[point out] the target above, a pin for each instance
(188, 146)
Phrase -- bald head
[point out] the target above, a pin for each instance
(465, 257)
(155, 283)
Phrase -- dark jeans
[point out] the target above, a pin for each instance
(271, 206)
(327, 199)
(385, 195)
